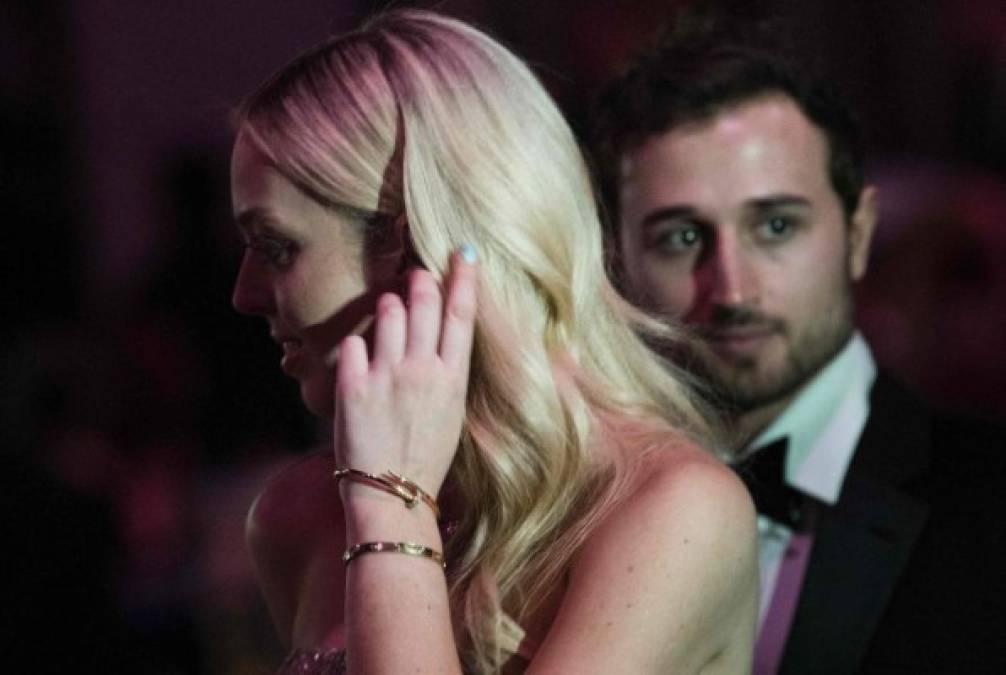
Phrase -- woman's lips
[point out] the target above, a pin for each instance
(296, 354)
(292, 354)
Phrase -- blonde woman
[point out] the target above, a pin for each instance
(517, 484)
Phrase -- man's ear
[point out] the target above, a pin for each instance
(862, 225)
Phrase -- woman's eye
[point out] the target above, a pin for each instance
(277, 253)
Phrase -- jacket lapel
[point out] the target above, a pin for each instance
(862, 543)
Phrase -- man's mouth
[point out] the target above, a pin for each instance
(739, 340)
(737, 333)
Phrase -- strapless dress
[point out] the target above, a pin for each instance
(311, 662)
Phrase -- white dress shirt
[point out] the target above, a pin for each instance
(823, 425)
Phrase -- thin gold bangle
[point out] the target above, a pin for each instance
(405, 547)
(392, 483)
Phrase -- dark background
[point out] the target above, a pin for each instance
(139, 414)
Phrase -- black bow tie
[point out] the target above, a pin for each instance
(764, 473)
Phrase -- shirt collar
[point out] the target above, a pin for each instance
(824, 422)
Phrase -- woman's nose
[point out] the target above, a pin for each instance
(251, 290)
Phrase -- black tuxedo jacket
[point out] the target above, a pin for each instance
(908, 569)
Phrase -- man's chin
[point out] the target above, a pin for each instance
(745, 351)
(744, 385)
(761, 374)
(745, 394)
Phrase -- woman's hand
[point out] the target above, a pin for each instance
(402, 408)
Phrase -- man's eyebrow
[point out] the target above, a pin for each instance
(770, 202)
(676, 212)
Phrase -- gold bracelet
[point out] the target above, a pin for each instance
(391, 483)
(405, 547)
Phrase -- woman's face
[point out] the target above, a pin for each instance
(303, 271)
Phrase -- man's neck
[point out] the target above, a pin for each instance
(746, 426)
(851, 366)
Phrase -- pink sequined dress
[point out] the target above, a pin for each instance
(308, 662)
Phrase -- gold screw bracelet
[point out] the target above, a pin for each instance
(391, 483)
(405, 547)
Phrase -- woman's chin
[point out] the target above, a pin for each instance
(318, 397)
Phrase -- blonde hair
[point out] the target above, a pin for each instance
(420, 114)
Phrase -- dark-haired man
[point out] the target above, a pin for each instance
(739, 206)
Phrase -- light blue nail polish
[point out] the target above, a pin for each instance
(468, 253)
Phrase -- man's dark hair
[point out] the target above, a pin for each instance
(701, 67)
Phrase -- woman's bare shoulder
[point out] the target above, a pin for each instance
(672, 478)
(686, 503)
(668, 581)
(296, 502)
(682, 481)
(294, 523)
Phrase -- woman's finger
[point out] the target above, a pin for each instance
(352, 364)
(351, 373)
(425, 308)
(389, 332)
(459, 311)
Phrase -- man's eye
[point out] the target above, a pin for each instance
(775, 228)
(679, 239)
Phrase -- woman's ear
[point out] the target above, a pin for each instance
(389, 251)
(407, 252)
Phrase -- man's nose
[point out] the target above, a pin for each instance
(251, 292)
(730, 277)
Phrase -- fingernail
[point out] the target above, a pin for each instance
(468, 253)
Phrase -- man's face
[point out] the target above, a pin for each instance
(732, 226)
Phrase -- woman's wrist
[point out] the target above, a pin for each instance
(375, 515)
(411, 493)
